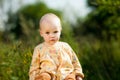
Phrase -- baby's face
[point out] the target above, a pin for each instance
(50, 31)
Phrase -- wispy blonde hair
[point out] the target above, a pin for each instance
(47, 17)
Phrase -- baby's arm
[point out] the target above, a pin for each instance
(34, 67)
(77, 66)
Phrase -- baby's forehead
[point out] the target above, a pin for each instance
(49, 18)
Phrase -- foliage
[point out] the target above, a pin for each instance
(103, 21)
(26, 21)
(100, 60)
(14, 61)
(99, 37)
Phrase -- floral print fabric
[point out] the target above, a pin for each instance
(59, 61)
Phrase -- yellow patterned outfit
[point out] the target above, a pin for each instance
(59, 61)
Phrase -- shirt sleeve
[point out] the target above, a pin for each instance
(76, 63)
(34, 67)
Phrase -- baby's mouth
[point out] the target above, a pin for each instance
(52, 40)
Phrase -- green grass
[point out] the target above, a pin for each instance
(98, 60)
(14, 61)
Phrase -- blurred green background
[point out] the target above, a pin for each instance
(95, 39)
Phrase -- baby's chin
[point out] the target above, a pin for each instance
(50, 43)
(53, 42)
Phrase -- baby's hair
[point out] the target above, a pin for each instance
(47, 17)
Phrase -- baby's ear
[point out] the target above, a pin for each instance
(41, 33)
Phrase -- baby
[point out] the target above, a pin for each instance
(53, 59)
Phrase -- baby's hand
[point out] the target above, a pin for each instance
(70, 77)
(43, 76)
(78, 78)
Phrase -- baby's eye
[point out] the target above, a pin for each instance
(47, 32)
(55, 31)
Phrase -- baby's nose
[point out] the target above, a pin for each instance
(52, 35)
